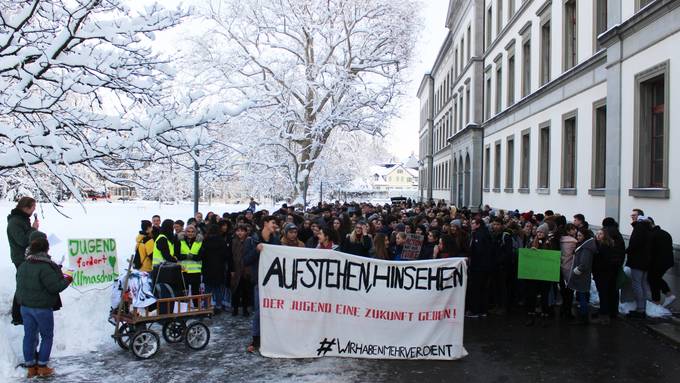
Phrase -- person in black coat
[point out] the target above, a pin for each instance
(482, 266)
(357, 242)
(606, 265)
(661, 252)
(215, 255)
(639, 260)
(504, 279)
(427, 250)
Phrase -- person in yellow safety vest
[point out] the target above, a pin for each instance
(190, 242)
(164, 247)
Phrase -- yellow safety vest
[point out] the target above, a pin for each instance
(157, 256)
(190, 266)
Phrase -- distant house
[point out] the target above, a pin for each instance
(393, 176)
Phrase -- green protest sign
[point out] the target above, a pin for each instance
(92, 261)
(542, 265)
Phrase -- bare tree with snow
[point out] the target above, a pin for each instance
(312, 68)
(80, 84)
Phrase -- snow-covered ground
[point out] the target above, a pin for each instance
(81, 325)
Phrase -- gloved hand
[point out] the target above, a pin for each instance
(577, 271)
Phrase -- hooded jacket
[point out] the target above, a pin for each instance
(18, 230)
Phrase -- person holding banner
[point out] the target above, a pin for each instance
(253, 247)
(357, 242)
(381, 247)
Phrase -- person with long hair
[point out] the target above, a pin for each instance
(581, 274)
(381, 247)
(357, 242)
(606, 266)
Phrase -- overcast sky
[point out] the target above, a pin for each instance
(402, 138)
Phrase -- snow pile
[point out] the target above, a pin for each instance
(81, 325)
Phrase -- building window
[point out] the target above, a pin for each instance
(467, 47)
(600, 20)
(570, 34)
(455, 115)
(487, 97)
(600, 147)
(569, 151)
(497, 167)
(460, 110)
(487, 168)
(652, 128)
(467, 105)
(526, 158)
(455, 63)
(462, 59)
(545, 52)
(510, 164)
(511, 79)
(544, 157)
(499, 87)
(511, 9)
(526, 67)
(499, 16)
(642, 3)
(488, 28)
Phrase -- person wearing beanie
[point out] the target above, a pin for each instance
(290, 236)
(39, 282)
(639, 260)
(144, 247)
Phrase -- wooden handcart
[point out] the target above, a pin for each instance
(180, 318)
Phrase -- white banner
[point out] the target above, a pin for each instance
(316, 303)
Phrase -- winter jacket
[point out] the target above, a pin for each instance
(145, 249)
(481, 252)
(18, 230)
(638, 251)
(362, 248)
(297, 243)
(427, 250)
(503, 250)
(312, 242)
(583, 262)
(661, 250)
(39, 282)
(238, 248)
(251, 257)
(215, 255)
(397, 251)
(568, 245)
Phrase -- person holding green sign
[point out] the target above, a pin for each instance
(534, 288)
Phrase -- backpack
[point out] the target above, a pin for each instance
(137, 259)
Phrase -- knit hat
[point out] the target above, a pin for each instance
(400, 227)
(35, 235)
(288, 227)
(457, 222)
(543, 228)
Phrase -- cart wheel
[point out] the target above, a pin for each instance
(173, 331)
(197, 336)
(125, 332)
(145, 344)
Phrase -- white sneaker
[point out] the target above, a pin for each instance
(669, 299)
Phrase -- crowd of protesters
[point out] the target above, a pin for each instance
(219, 254)
(490, 241)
